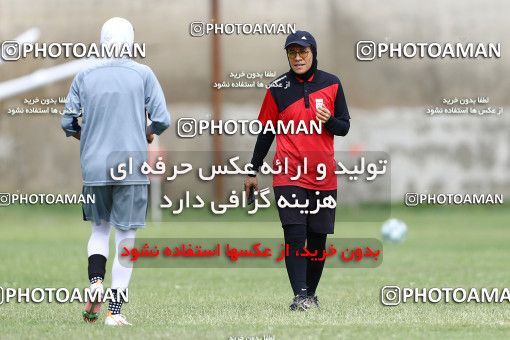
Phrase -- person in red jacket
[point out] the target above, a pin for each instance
(304, 94)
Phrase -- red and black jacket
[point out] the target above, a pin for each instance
(292, 99)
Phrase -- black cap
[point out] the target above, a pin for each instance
(302, 38)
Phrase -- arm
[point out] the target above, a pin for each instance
(72, 111)
(262, 146)
(155, 106)
(338, 124)
(268, 112)
(148, 131)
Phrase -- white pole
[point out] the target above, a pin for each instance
(43, 77)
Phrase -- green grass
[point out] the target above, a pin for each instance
(446, 247)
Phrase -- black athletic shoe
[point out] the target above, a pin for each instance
(313, 301)
(300, 303)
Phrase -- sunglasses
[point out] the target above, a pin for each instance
(293, 53)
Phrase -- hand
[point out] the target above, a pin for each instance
(148, 134)
(322, 114)
(250, 182)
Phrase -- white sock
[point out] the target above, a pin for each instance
(121, 274)
(99, 239)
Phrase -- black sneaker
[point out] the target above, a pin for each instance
(300, 303)
(313, 301)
